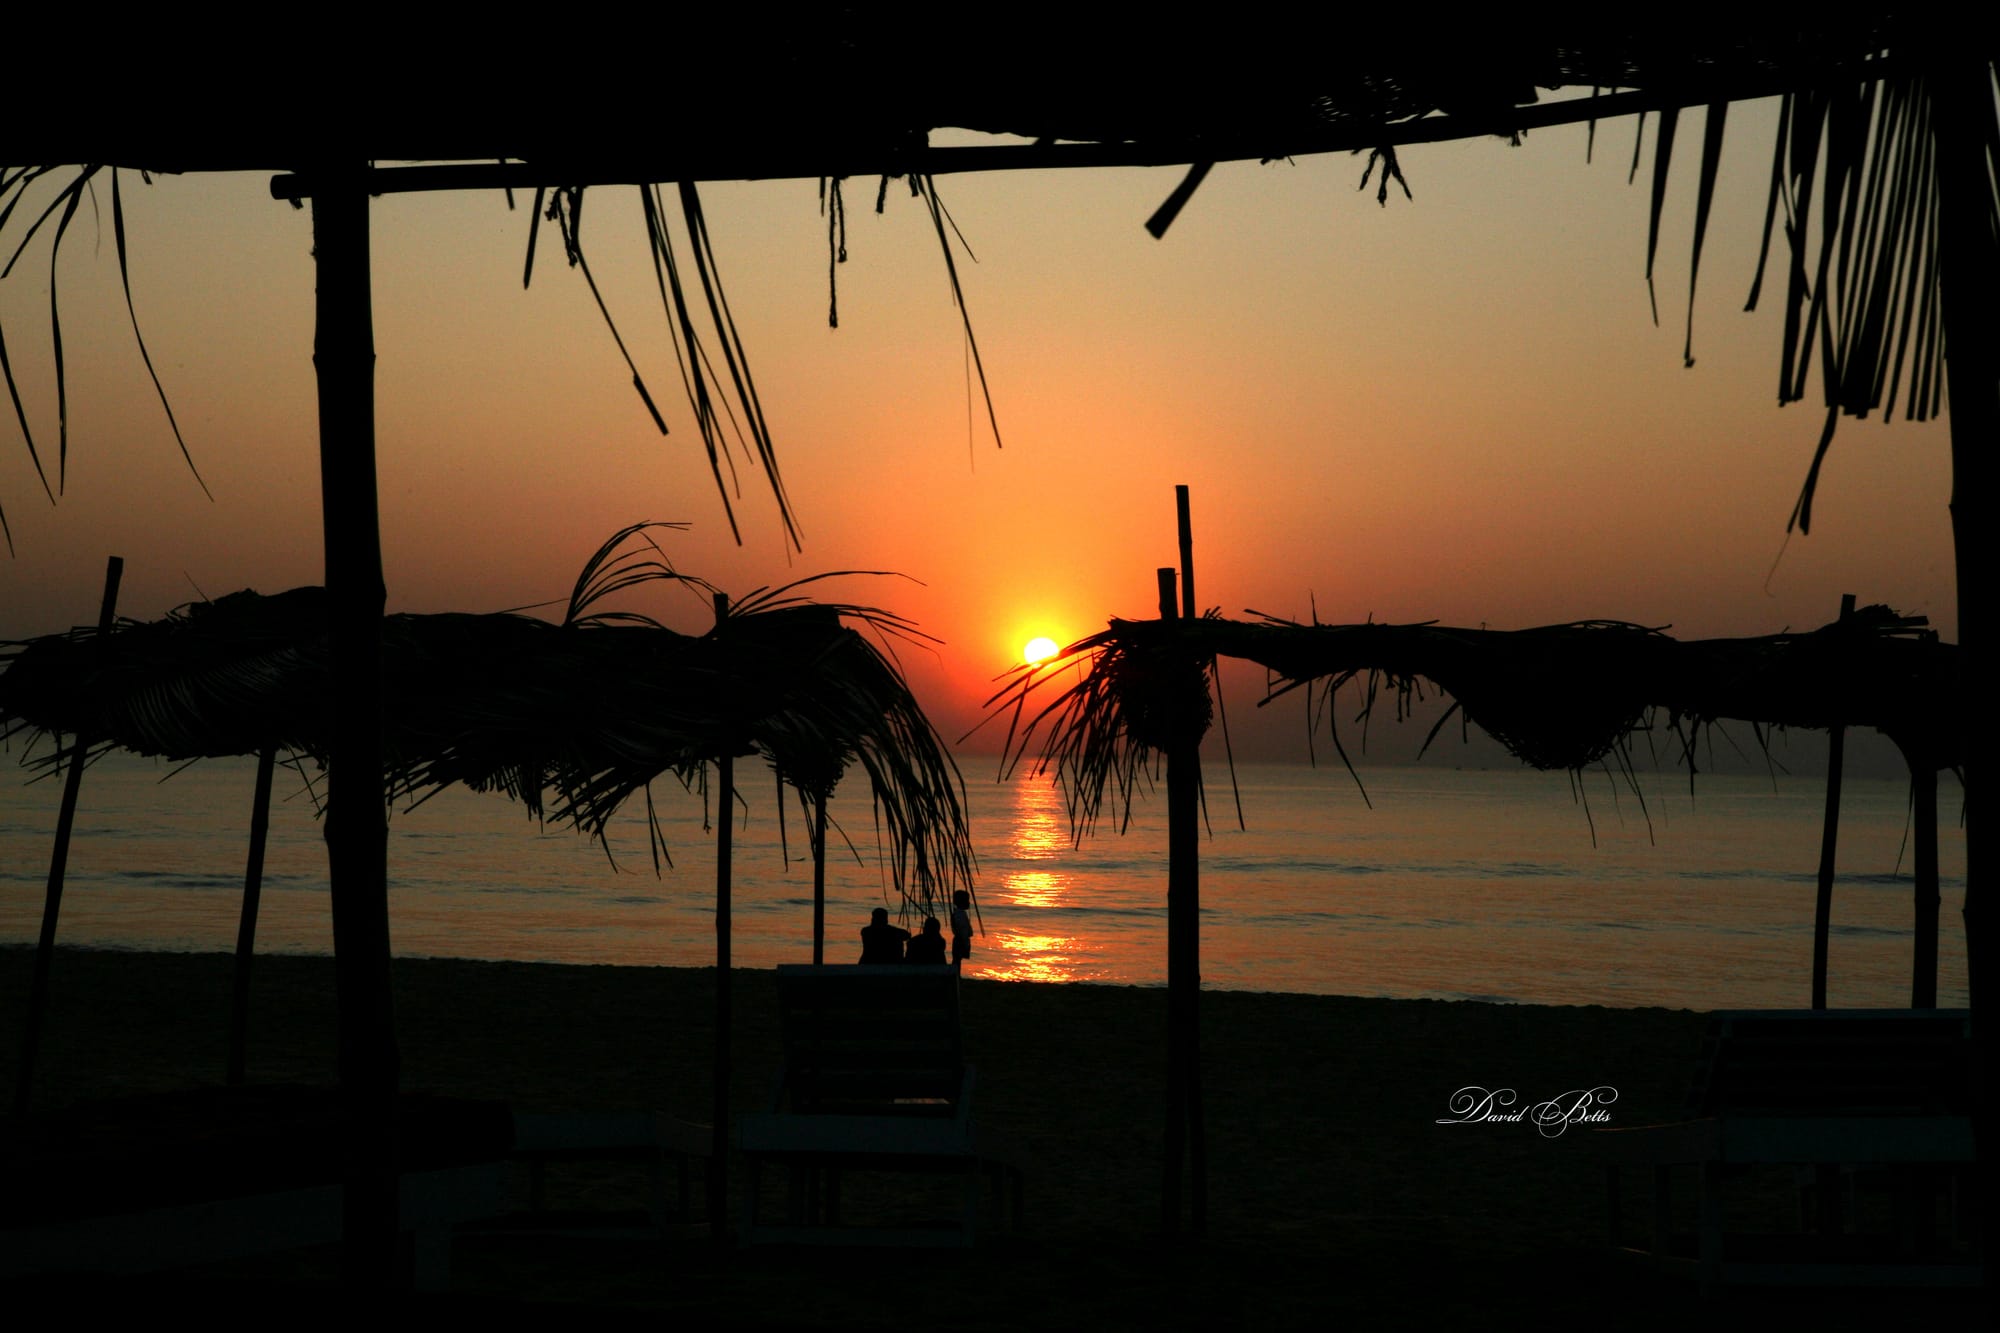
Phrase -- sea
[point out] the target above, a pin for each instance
(1501, 884)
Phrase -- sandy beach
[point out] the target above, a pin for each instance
(1334, 1192)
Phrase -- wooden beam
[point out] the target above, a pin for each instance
(782, 161)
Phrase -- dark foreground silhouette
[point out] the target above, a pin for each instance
(1334, 1192)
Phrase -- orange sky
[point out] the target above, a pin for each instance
(1455, 407)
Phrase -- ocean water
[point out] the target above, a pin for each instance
(1503, 885)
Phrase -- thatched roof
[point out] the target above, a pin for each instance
(1560, 696)
(849, 92)
(572, 718)
(838, 82)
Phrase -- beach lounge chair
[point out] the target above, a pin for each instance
(874, 1079)
(669, 1148)
(153, 1183)
(1842, 1100)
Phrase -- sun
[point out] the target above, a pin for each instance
(1039, 649)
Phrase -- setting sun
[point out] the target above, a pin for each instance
(1039, 650)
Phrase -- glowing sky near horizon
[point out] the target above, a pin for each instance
(1456, 407)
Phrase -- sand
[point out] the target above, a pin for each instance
(1334, 1193)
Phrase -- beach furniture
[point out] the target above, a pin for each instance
(874, 1079)
(668, 1147)
(1867, 1111)
(165, 1181)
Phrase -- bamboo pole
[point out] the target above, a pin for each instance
(1184, 1127)
(45, 943)
(1836, 759)
(1924, 933)
(718, 1154)
(246, 926)
(1176, 1127)
(1185, 843)
(357, 830)
(819, 877)
(1185, 524)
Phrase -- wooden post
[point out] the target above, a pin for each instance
(1186, 526)
(1924, 933)
(819, 877)
(357, 825)
(718, 1157)
(1185, 846)
(1176, 1129)
(1969, 260)
(246, 926)
(1184, 1128)
(1836, 758)
(45, 944)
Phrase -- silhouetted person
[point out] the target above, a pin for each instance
(961, 926)
(880, 941)
(927, 947)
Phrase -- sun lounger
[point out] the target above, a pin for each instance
(1840, 1098)
(153, 1183)
(669, 1148)
(874, 1079)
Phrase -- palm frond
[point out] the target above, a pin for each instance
(926, 188)
(125, 282)
(15, 187)
(611, 571)
(1855, 173)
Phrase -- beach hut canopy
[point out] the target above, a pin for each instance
(1558, 697)
(857, 92)
(570, 719)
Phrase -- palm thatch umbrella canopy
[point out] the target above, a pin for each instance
(1561, 696)
(1558, 697)
(571, 719)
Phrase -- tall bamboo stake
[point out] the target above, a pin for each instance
(357, 828)
(1176, 1128)
(1185, 523)
(718, 1152)
(1924, 934)
(246, 926)
(819, 877)
(1836, 758)
(1187, 846)
(45, 944)
(1183, 1129)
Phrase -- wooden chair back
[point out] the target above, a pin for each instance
(870, 1039)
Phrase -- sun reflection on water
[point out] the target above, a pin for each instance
(1036, 888)
(1040, 834)
(1039, 881)
(1041, 826)
(1034, 958)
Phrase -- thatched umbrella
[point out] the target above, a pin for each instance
(1902, 195)
(1558, 697)
(572, 719)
